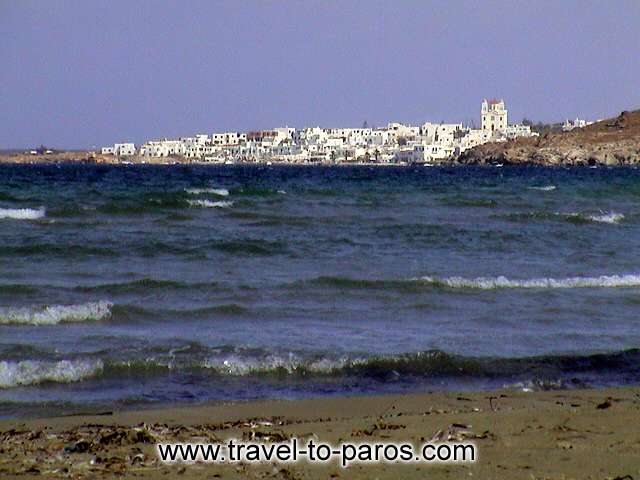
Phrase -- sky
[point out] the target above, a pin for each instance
(79, 74)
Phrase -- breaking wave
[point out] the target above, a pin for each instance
(607, 217)
(205, 364)
(33, 372)
(22, 213)
(291, 364)
(54, 314)
(545, 188)
(245, 362)
(490, 283)
(222, 192)
(601, 217)
(210, 203)
(572, 217)
(419, 284)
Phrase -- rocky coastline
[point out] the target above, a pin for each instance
(611, 142)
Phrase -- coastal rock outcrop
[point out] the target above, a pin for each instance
(613, 141)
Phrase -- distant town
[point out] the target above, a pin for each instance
(397, 143)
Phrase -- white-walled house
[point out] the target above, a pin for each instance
(399, 130)
(377, 137)
(283, 134)
(514, 131)
(443, 133)
(569, 125)
(164, 148)
(434, 153)
(228, 138)
(406, 155)
(471, 138)
(202, 139)
(120, 150)
(124, 149)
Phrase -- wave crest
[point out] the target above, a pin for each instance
(606, 217)
(22, 213)
(238, 365)
(33, 372)
(222, 192)
(54, 314)
(572, 217)
(210, 203)
(490, 283)
(207, 364)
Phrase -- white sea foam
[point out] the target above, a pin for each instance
(490, 283)
(54, 314)
(222, 192)
(602, 217)
(210, 203)
(536, 385)
(32, 372)
(545, 188)
(22, 213)
(606, 217)
(238, 365)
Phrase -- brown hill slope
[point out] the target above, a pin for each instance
(615, 141)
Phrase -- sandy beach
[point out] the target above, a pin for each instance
(581, 434)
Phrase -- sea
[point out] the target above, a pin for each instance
(135, 286)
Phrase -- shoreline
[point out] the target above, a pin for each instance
(558, 434)
(154, 162)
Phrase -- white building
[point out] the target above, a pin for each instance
(441, 133)
(228, 138)
(434, 153)
(164, 148)
(413, 154)
(514, 131)
(471, 138)
(124, 149)
(569, 125)
(120, 150)
(283, 134)
(400, 130)
(493, 116)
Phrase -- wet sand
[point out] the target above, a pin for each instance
(575, 434)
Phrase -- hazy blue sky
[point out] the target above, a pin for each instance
(83, 73)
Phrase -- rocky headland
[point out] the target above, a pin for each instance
(615, 141)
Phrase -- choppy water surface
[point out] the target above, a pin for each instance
(138, 285)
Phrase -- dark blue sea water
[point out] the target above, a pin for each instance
(138, 285)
